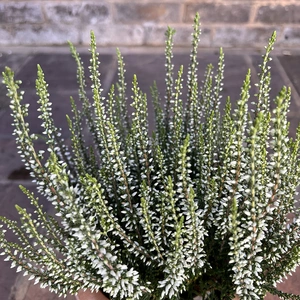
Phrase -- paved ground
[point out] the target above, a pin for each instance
(60, 73)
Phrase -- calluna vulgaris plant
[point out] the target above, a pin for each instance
(204, 206)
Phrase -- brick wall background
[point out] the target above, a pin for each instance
(230, 23)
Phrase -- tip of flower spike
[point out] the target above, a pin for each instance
(22, 188)
(7, 69)
(18, 208)
(170, 32)
(92, 35)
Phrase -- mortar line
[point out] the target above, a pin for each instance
(253, 13)
(17, 182)
(287, 80)
(20, 288)
(109, 76)
(254, 73)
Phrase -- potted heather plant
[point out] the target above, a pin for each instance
(204, 206)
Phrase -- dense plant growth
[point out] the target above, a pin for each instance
(204, 205)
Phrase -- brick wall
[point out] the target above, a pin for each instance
(230, 23)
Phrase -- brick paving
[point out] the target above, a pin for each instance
(60, 72)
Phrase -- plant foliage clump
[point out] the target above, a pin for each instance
(203, 206)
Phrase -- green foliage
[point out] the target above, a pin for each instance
(205, 206)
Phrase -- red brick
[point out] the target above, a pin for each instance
(21, 13)
(155, 35)
(116, 35)
(217, 12)
(278, 14)
(291, 36)
(242, 36)
(149, 12)
(38, 34)
(74, 13)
